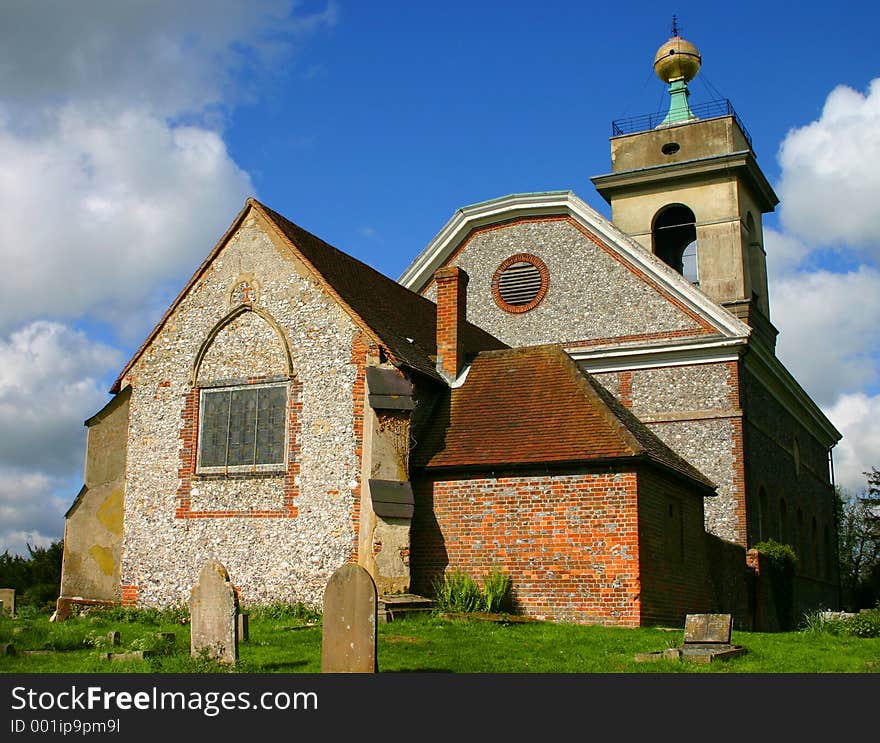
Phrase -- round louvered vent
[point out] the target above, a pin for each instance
(520, 283)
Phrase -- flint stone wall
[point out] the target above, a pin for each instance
(803, 482)
(591, 294)
(706, 398)
(272, 559)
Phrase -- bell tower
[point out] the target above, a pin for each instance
(687, 186)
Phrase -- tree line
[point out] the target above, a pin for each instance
(858, 541)
(35, 578)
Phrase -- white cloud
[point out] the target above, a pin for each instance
(828, 314)
(32, 508)
(831, 172)
(51, 379)
(165, 55)
(101, 210)
(829, 332)
(857, 416)
(113, 180)
(785, 253)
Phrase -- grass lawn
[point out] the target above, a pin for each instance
(421, 643)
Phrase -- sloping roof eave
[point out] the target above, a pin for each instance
(632, 462)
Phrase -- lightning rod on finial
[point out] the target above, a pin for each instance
(675, 29)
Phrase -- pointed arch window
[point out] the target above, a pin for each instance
(675, 241)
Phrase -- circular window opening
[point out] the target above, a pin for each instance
(520, 283)
(670, 148)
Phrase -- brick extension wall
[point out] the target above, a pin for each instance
(569, 542)
(580, 546)
(675, 572)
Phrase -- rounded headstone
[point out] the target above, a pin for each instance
(349, 622)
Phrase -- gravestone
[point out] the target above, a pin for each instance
(244, 632)
(349, 622)
(714, 628)
(213, 607)
(114, 638)
(706, 639)
(7, 596)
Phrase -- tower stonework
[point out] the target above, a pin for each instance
(703, 162)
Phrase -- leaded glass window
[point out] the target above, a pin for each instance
(242, 427)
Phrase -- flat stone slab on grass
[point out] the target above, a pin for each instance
(307, 625)
(488, 617)
(706, 639)
(133, 655)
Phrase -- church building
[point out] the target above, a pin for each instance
(594, 407)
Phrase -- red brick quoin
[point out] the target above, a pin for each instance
(129, 595)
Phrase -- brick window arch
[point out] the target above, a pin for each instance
(520, 283)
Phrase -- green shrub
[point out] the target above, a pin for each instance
(814, 623)
(458, 592)
(863, 624)
(497, 588)
(780, 561)
(780, 555)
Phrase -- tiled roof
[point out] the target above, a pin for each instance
(536, 406)
(403, 320)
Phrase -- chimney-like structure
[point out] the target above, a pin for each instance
(452, 284)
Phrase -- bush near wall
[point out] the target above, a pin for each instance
(37, 578)
(458, 592)
(778, 564)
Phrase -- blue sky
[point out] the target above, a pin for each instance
(131, 133)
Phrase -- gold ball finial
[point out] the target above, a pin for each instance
(677, 59)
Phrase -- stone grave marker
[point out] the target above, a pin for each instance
(213, 607)
(7, 596)
(114, 638)
(706, 639)
(713, 628)
(244, 632)
(349, 623)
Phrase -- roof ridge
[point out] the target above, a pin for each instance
(398, 328)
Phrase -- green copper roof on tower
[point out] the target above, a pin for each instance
(677, 63)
